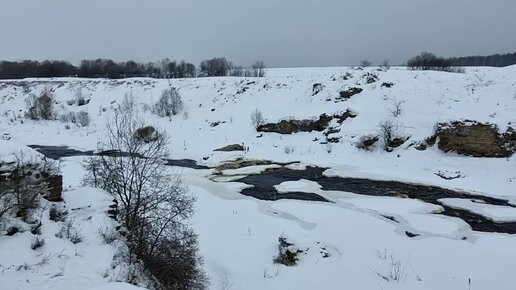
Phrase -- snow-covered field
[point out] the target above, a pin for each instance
(347, 243)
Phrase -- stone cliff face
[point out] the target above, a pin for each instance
(476, 139)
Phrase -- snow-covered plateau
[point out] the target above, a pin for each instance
(350, 241)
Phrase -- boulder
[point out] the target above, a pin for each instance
(232, 147)
(55, 188)
(293, 126)
(475, 139)
(316, 88)
(346, 94)
(146, 134)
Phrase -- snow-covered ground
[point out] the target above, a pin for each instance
(347, 243)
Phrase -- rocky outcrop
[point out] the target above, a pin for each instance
(232, 147)
(55, 188)
(316, 88)
(293, 126)
(475, 139)
(346, 94)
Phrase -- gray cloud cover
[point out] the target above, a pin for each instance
(281, 32)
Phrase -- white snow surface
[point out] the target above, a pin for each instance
(239, 235)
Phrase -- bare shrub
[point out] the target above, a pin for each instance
(41, 107)
(68, 117)
(367, 142)
(396, 108)
(396, 270)
(83, 119)
(365, 63)
(169, 104)
(391, 134)
(259, 69)
(80, 100)
(154, 207)
(288, 253)
(108, 235)
(385, 65)
(70, 230)
(56, 214)
(37, 242)
(257, 118)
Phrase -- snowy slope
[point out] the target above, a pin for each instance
(238, 235)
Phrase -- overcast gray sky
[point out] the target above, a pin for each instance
(283, 33)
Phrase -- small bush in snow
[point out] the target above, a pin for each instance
(385, 65)
(56, 214)
(37, 242)
(257, 118)
(170, 103)
(108, 235)
(83, 119)
(365, 63)
(80, 118)
(288, 252)
(396, 108)
(288, 149)
(40, 108)
(367, 142)
(391, 134)
(79, 98)
(71, 231)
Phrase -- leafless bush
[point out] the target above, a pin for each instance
(367, 142)
(70, 230)
(56, 214)
(391, 134)
(80, 100)
(83, 119)
(257, 118)
(328, 147)
(365, 63)
(108, 235)
(154, 207)
(287, 252)
(396, 108)
(37, 242)
(80, 118)
(40, 107)
(396, 271)
(288, 149)
(385, 65)
(258, 69)
(68, 117)
(170, 103)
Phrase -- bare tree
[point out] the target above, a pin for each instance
(259, 68)
(365, 63)
(385, 64)
(216, 67)
(257, 118)
(41, 107)
(154, 207)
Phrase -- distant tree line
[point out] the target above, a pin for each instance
(497, 60)
(429, 61)
(107, 68)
